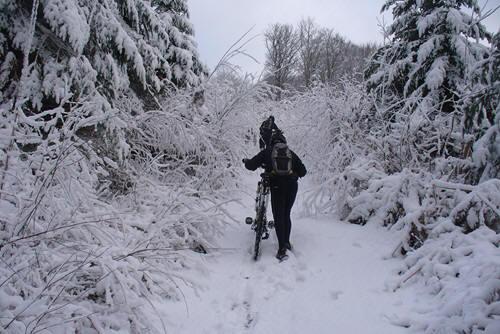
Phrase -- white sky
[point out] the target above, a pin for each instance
(219, 23)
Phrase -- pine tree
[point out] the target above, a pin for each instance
(421, 76)
(482, 117)
(81, 69)
(75, 77)
(131, 44)
(483, 100)
(186, 67)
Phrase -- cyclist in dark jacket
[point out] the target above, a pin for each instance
(283, 190)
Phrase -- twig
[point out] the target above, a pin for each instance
(397, 248)
(403, 281)
(64, 322)
(12, 275)
(230, 52)
(54, 229)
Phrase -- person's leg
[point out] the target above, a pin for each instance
(290, 196)
(278, 203)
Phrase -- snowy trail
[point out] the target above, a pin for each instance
(333, 282)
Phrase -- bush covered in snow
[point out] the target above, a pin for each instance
(94, 240)
(113, 168)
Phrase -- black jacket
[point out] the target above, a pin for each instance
(263, 159)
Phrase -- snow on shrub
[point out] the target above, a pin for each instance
(72, 259)
(334, 194)
(98, 229)
(450, 235)
(461, 274)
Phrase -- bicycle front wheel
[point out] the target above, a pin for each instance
(259, 230)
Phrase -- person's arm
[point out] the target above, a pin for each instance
(298, 166)
(255, 162)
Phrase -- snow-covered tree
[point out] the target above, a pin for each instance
(434, 44)
(182, 55)
(89, 67)
(130, 45)
(420, 77)
(482, 117)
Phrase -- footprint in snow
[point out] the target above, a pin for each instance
(300, 278)
(335, 294)
(250, 316)
(284, 286)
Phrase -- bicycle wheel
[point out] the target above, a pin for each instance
(259, 230)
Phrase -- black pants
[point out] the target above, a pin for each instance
(282, 198)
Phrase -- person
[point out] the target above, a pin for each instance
(283, 189)
(266, 130)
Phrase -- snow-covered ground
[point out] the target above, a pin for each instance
(333, 282)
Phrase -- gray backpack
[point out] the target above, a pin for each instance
(281, 157)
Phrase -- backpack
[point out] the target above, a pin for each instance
(281, 158)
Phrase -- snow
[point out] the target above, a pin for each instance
(427, 21)
(459, 275)
(458, 20)
(437, 73)
(333, 282)
(68, 19)
(426, 49)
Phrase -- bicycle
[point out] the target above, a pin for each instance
(260, 224)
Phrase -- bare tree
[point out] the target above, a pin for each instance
(310, 50)
(298, 56)
(332, 55)
(281, 51)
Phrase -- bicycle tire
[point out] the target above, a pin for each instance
(259, 230)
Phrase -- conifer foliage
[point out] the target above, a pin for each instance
(482, 116)
(422, 76)
(433, 47)
(83, 70)
(146, 44)
(78, 69)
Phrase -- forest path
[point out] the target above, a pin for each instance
(333, 282)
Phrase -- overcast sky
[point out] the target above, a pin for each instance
(219, 23)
